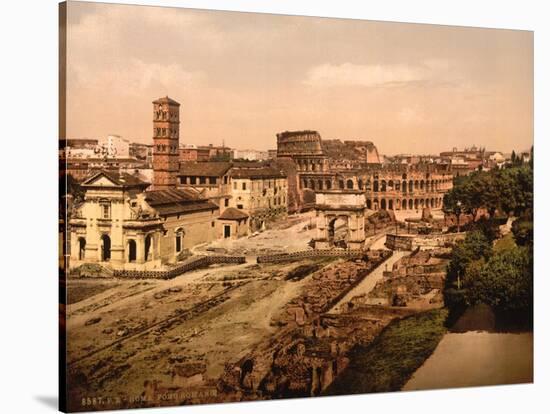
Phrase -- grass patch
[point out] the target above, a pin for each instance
(505, 243)
(388, 362)
(77, 293)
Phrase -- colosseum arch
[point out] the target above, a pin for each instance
(349, 184)
(328, 184)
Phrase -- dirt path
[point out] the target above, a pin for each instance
(476, 359)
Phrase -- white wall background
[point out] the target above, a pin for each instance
(28, 202)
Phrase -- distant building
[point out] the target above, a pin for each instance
(250, 155)
(257, 190)
(115, 146)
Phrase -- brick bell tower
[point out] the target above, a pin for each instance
(166, 139)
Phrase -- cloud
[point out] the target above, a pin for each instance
(349, 74)
(133, 77)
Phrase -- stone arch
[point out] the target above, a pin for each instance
(410, 203)
(360, 184)
(319, 184)
(337, 237)
(432, 202)
(416, 203)
(416, 185)
(390, 204)
(404, 186)
(421, 203)
(404, 204)
(411, 186)
(375, 186)
(390, 185)
(369, 204)
(383, 185)
(105, 248)
(397, 185)
(312, 184)
(349, 184)
(383, 204)
(421, 184)
(328, 184)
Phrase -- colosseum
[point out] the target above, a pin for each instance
(325, 165)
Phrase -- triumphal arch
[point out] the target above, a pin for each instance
(346, 207)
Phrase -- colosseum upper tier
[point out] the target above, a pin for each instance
(355, 165)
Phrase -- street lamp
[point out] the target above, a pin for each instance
(458, 211)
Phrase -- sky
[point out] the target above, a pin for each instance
(243, 77)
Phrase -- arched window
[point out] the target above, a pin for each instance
(349, 184)
(411, 186)
(375, 186)
(383, 185)
(328, 184)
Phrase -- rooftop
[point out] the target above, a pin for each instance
(232, 213)
(177, 201)
(167, 100)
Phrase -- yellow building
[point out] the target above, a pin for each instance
(120, 226)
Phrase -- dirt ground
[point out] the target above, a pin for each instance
(176, 334)
(278, 240)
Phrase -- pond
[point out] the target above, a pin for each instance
(477, 351)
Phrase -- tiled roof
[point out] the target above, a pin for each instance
(263, 172)
(167, 100)
(177, 201)
(205, 169)
(232, 213)
(118, 178)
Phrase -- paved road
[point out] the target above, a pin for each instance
(368, 283)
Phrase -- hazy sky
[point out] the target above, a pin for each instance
(243, 77)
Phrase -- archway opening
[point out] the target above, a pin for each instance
(132, 251)
(411, 204)
(349, 185)
(338, 232)
(328, 184)
(81, 248)
(105, 248)
(383, 204)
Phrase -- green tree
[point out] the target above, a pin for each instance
(504, 282)
(474, 247)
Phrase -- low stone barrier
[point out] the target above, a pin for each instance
(194, 262)
(306, 254)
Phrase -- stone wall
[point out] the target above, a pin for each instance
(194, 262)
